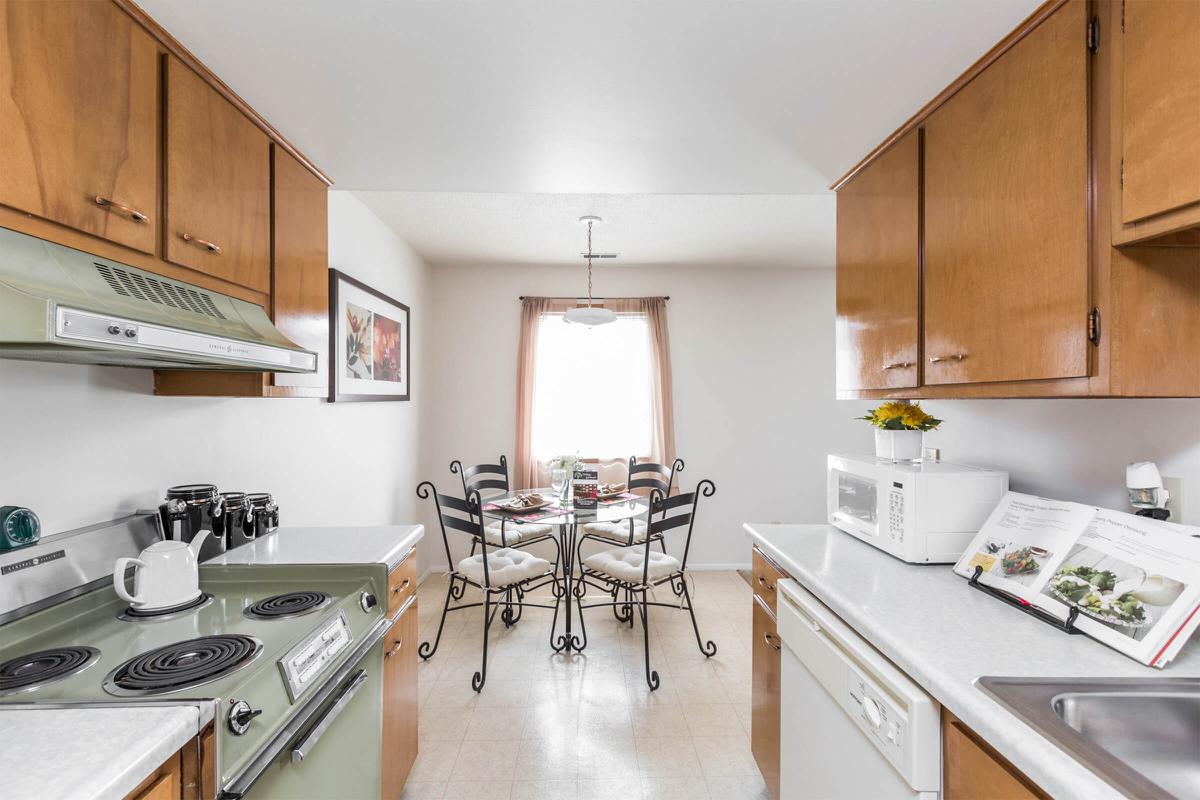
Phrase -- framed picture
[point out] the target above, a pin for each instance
(369, 343)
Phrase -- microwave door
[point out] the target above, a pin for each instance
(857, 502)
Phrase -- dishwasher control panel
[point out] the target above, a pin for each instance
(882, 720)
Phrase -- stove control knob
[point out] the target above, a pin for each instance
(240, 715)
(367, 601)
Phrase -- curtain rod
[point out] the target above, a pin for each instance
(665, 297)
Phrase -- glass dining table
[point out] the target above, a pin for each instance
(568, 519)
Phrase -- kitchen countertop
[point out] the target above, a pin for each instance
(944, 635)
(97, 752)
(377, 544)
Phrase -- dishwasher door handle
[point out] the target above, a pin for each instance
(304, 748)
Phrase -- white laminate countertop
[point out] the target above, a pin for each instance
(377, 544)
(90, 753)
(944, 635)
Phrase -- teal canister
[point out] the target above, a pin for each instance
(19, 527)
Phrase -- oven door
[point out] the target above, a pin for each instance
(332, 748)
(854, 502)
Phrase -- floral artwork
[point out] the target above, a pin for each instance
(370, 343)
(386, 364)
(358, 342)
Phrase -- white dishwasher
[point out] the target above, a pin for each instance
(853, 726)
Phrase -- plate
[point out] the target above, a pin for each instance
(610, 495)
(507, 505)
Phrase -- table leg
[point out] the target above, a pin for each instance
(568, 641)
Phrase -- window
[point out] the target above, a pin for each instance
(592, 390)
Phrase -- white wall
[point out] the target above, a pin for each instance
(752, 354)
(83, 444)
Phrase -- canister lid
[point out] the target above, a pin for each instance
(234, 499)
(258, 499)
(192, 491)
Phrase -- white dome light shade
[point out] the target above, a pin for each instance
(590, 315)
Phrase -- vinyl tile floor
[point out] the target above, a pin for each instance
(586, 726)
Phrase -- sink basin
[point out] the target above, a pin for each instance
(1142, 735)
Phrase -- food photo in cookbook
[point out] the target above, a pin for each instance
(1022, 564)
(1112, 591)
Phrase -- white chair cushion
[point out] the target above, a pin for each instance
(505, 566)
(617, 531)
(625, 564)
(515, 531)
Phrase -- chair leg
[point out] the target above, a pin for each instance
(479, 677)
(651, 675)
(709, 648)
(424, 650)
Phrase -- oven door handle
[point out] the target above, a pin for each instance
(351, 687)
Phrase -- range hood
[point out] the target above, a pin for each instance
(60, 304)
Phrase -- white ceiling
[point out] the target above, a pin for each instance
(658, 98)
(726, 230)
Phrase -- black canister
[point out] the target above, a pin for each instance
(191, 508)
(264, 512)
(238, 526)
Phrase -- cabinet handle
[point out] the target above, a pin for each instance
(402, 586)
(398, 644)
(763, 581)
(209, 246)
(899, 365)
(767, 638)
(954, 357)
(133, 213)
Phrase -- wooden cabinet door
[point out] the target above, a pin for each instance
(970, 771)
(878, 272)
(1160, 116)
(764, 709)
(218, 184)
(78, 118)
(300, 264)
(400, 701)
(1006, 254)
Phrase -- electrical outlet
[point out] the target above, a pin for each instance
(1179, 511)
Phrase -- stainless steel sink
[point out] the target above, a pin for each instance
(1142, 735)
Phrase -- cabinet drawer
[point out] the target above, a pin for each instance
(764, 576)
(764, 705)
(402, 582)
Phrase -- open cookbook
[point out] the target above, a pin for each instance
(1135, 580)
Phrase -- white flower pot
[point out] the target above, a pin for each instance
(899, 445)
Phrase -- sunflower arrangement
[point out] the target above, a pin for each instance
(896, 416)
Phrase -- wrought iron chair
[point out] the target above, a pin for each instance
(505, 533)
(646, 475)
(502, 575)
(636, 569)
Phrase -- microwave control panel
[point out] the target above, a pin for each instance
(896, 515)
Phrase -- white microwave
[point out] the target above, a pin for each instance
(922, 513)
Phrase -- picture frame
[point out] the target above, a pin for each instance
(370, 343)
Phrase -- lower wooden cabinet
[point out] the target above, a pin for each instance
(400, 701)
(764, 710)
(189, 774)
(971, 770)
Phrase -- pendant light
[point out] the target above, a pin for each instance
(589, 315)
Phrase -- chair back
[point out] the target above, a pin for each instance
(457, 514)
(668, 513)
(482, 477)
(652, 476)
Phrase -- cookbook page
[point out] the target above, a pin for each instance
(1135, 580)
(1023, 541)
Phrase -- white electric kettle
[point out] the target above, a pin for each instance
(167, 574)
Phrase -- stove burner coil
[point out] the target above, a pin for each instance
(291, 604)
(131, 614)
(28, 672)
(182, 665)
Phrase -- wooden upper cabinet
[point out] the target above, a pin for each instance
(878, 272)
(78, 118)
(300, 264)
(1160, 100)
(1006, 233)
(218, 184)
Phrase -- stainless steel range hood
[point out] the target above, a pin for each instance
(60, 304)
